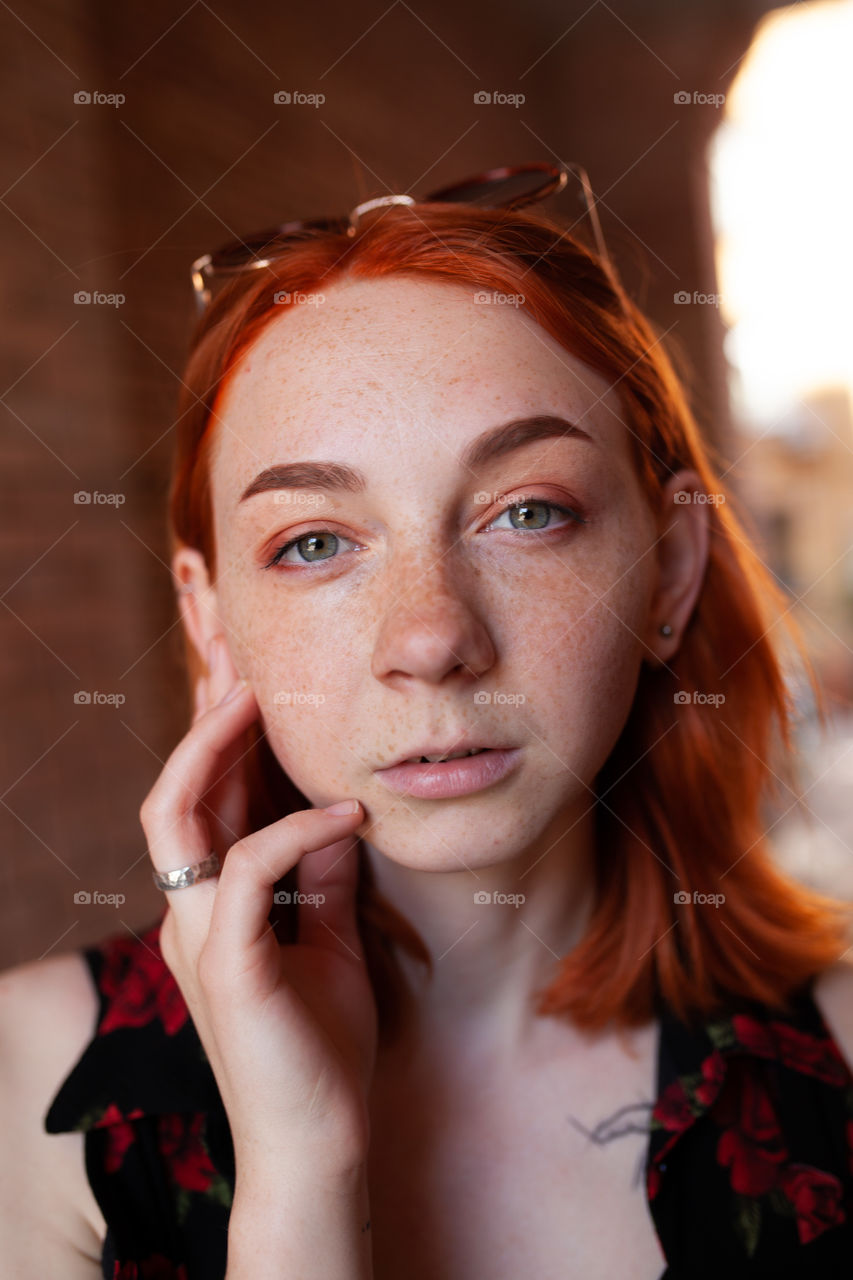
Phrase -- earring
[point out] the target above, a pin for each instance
(666, 629)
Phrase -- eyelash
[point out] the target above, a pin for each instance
(280, 551)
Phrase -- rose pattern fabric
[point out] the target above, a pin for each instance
(722, 1132)
(739, 1094)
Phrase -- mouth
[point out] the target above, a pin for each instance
(440, 758)
(435, 776)
(459, 747)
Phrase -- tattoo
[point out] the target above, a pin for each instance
(608, 1129)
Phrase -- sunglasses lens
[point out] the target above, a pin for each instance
(262, 244)
(501, 187)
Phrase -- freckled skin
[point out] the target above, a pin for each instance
(427, 603)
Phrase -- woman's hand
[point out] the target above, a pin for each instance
(289, 1030)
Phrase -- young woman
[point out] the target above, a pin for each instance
(550, 1010)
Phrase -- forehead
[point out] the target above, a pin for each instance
(369, 364)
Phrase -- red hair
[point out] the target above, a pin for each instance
(679, 801)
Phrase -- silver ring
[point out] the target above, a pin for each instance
(183, 877)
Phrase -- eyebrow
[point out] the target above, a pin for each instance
(495, 443)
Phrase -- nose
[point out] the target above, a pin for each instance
(431, 626)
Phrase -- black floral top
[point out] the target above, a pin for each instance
(749, 1166)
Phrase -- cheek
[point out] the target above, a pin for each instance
(297, 666)
(575, 652)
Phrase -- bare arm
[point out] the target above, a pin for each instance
(48, 1214)
(292, 1223)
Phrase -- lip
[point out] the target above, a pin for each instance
(448, 778)
(461, 742)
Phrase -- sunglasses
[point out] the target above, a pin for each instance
(510, 187)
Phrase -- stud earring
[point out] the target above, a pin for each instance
(666, 629)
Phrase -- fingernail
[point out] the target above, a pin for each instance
(234, 690)
(343, 806)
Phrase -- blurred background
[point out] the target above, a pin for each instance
(718, 138)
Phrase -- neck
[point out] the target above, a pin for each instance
(490, 956)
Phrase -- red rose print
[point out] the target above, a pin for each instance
(713, 1074)
(800, 1050)
(182, 1144)
(803, 1052)
(816, 1198)
(119, 1137)
(753, 1035)
(140, 986)
(672, 1108)
(751, 1143)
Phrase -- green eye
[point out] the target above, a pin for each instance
(320, 545)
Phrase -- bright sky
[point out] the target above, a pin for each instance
(782, 201)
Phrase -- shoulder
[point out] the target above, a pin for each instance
(48, 1014)
(833, 994)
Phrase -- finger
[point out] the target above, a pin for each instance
(222, 673)
(199, 698)
(328, 879)
(172, 814)
(240, 919)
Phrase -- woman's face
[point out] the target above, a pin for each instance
(431, 605)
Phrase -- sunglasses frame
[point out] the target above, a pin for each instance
(555, 178)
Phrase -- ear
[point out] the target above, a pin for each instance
(682, 557)
(197, 599)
